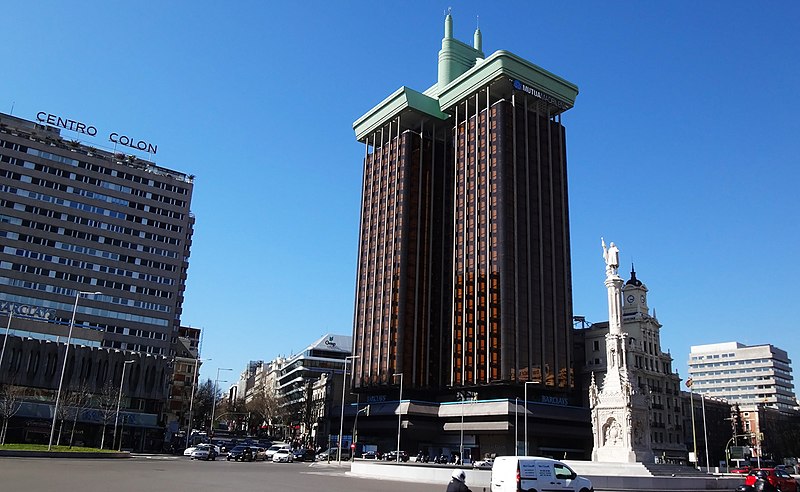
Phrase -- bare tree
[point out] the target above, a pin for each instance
(10, 403)
(263, 408)
(80, 397)
(107, 405)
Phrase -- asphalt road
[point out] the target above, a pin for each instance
(179, 474)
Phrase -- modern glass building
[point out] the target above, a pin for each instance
(464, 275)
(742, 374)
(73, 219)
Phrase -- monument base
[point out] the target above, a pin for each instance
(618, 454)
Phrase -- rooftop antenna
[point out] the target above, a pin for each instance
(12, 107)
(477, 22)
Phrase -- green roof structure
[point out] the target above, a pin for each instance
(463, 70)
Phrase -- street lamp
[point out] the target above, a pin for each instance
(526, 413)
(64, 366)
(463, 395)
(119, 400)
(191, 399)
(8, 327)
(516, 427)
(214, 399)
(341, 420)
(399, 413)
(705, 432)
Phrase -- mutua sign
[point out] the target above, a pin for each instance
(91, 130)
(521, 86)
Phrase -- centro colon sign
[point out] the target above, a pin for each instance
(77, 126)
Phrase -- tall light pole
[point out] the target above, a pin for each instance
(705, 431)
(525, 416)
(399, 413)
(214, 399)
(64, 366)
(694, 430)
(191, 399)
(516, 427)
(341, 420)
(8, 327)
(119, 401)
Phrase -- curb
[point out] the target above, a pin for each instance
(61, 454)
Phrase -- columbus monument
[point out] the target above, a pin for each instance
(620, 416)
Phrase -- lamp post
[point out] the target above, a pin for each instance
(341, 419)
(694, 431)
(705, 431)
(8, 327)
(214, 399)
(399, 413)
(526, 413)
(516, 427)
(64, 366)
(119, 401)
(191, 399)
(464, 395)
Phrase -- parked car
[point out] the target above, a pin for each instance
(303, 454)
(241, 453)
(205, 452)
(514, 473)
(483, 464)
(392, 456)
(188, 451)
(775, 477)
(259, 453)
(275, 447)
(333, 453)
(742, 469)
(371, 455)
(283, 456)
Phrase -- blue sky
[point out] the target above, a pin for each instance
(682, 145)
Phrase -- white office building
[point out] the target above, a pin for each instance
(744, 375)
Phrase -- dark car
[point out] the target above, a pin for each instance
(392, 456)
(241, 453)
(777, 478)
(304, 454)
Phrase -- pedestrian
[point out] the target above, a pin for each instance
(458, 482)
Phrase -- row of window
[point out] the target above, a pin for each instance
(104, 170)
(60, 260)
(81, 235)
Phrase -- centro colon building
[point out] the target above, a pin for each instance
(76, 220)
(464, 278)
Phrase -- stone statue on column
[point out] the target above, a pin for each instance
(620, 416)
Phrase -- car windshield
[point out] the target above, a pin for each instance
(239, 448)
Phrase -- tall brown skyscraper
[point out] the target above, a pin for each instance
(464, 260)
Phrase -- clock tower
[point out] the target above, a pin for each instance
(634, 296)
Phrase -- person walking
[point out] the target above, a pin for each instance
(458, 482)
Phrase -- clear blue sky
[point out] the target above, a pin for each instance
(682, 145)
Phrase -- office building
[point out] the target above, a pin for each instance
(743, 375)
(464, 253)
(93, 244)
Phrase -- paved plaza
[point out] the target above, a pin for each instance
(178, 474)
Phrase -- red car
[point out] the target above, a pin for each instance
(742, 469)
(776, 477)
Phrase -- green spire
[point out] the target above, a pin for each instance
(448, 25)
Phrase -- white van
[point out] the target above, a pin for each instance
(535, 474)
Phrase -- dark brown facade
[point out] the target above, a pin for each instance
(404, 261)
(512, 293)
(464, 271)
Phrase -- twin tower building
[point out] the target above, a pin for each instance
(464, 277)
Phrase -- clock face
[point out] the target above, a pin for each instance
(630, 299)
